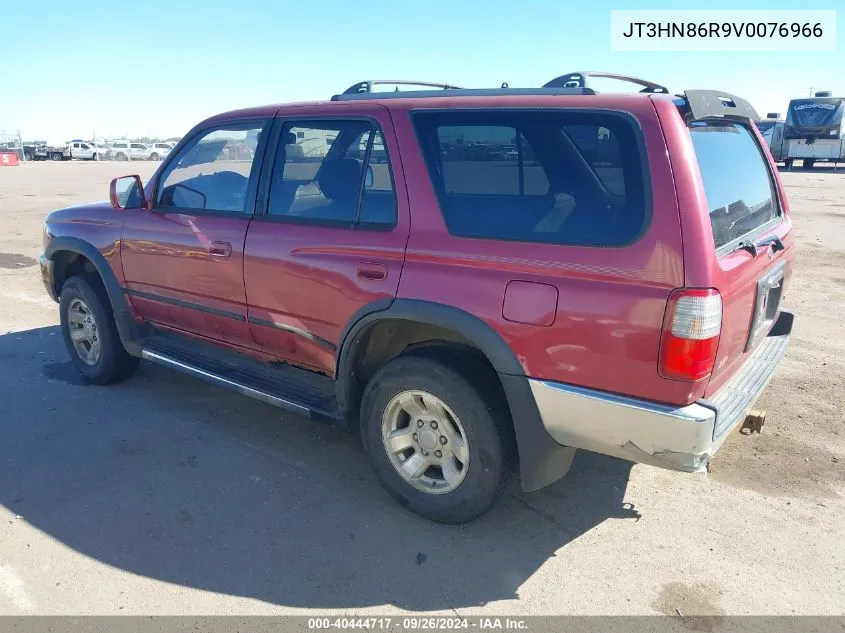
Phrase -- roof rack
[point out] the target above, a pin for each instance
(701, 103)
(580, 80)
(462, 92)
(363, 87)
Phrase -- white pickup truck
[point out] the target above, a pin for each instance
(127, 150)
(86, 151)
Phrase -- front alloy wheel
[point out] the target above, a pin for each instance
(83, 332)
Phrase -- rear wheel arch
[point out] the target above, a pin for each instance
(413, 323)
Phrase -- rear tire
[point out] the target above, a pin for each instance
(473, 440)
(153, 156)
(85, 312)
(56, 156)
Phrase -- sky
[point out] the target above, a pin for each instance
(155, 68)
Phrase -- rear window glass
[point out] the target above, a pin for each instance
(737, 183)
(556, 177)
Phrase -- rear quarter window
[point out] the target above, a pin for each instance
(737, 181)
(558, 177)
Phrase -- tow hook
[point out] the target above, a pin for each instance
(754, 421)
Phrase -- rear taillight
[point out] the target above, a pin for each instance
(691, 329)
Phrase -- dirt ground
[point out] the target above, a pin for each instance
(164, 495)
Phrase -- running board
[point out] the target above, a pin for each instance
(286, 387)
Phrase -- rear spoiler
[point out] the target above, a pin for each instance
(706, 104)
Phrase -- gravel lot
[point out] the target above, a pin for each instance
(164, 495)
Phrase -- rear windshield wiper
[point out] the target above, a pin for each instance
(755, 247)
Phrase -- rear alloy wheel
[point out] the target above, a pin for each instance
(425, 441)
(437, 431)
(90, 334)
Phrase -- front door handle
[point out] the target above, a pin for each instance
(373, 271)
(220, 249)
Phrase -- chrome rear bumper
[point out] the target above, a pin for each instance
(678, 438)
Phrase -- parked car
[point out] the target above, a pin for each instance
(620, 292)
(84, 150)
(127, 150)
(160, 150)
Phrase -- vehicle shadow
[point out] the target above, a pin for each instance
(173, 479)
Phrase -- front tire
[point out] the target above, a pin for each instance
(438, 435)
(90, 334)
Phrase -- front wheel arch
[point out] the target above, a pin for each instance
(69, 252)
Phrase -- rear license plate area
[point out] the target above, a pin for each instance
(766, 304)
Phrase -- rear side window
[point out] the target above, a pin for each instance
(553, 176)
(737, 183)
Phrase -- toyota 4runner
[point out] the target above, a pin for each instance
(482, 281)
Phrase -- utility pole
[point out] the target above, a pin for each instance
(811, 91)
(20, 142)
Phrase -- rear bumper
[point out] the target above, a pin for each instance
(677, 438)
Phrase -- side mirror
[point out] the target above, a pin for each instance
(368, 178)
(127, 192)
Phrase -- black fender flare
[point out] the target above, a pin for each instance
(127, 327)
(542, 460)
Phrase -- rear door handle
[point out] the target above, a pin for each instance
(220, 249)
(373, 271)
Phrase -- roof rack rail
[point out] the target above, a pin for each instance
(580, 80)
(367, 86)
(463, 92)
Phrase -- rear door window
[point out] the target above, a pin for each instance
(555, 176)
(737, 182)
(333, 173)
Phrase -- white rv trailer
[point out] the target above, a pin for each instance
(814, 130)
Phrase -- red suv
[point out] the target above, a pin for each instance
(480, 280)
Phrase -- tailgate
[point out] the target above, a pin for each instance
(750, 259)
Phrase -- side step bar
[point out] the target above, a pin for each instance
(225, 382)
(285, 386)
